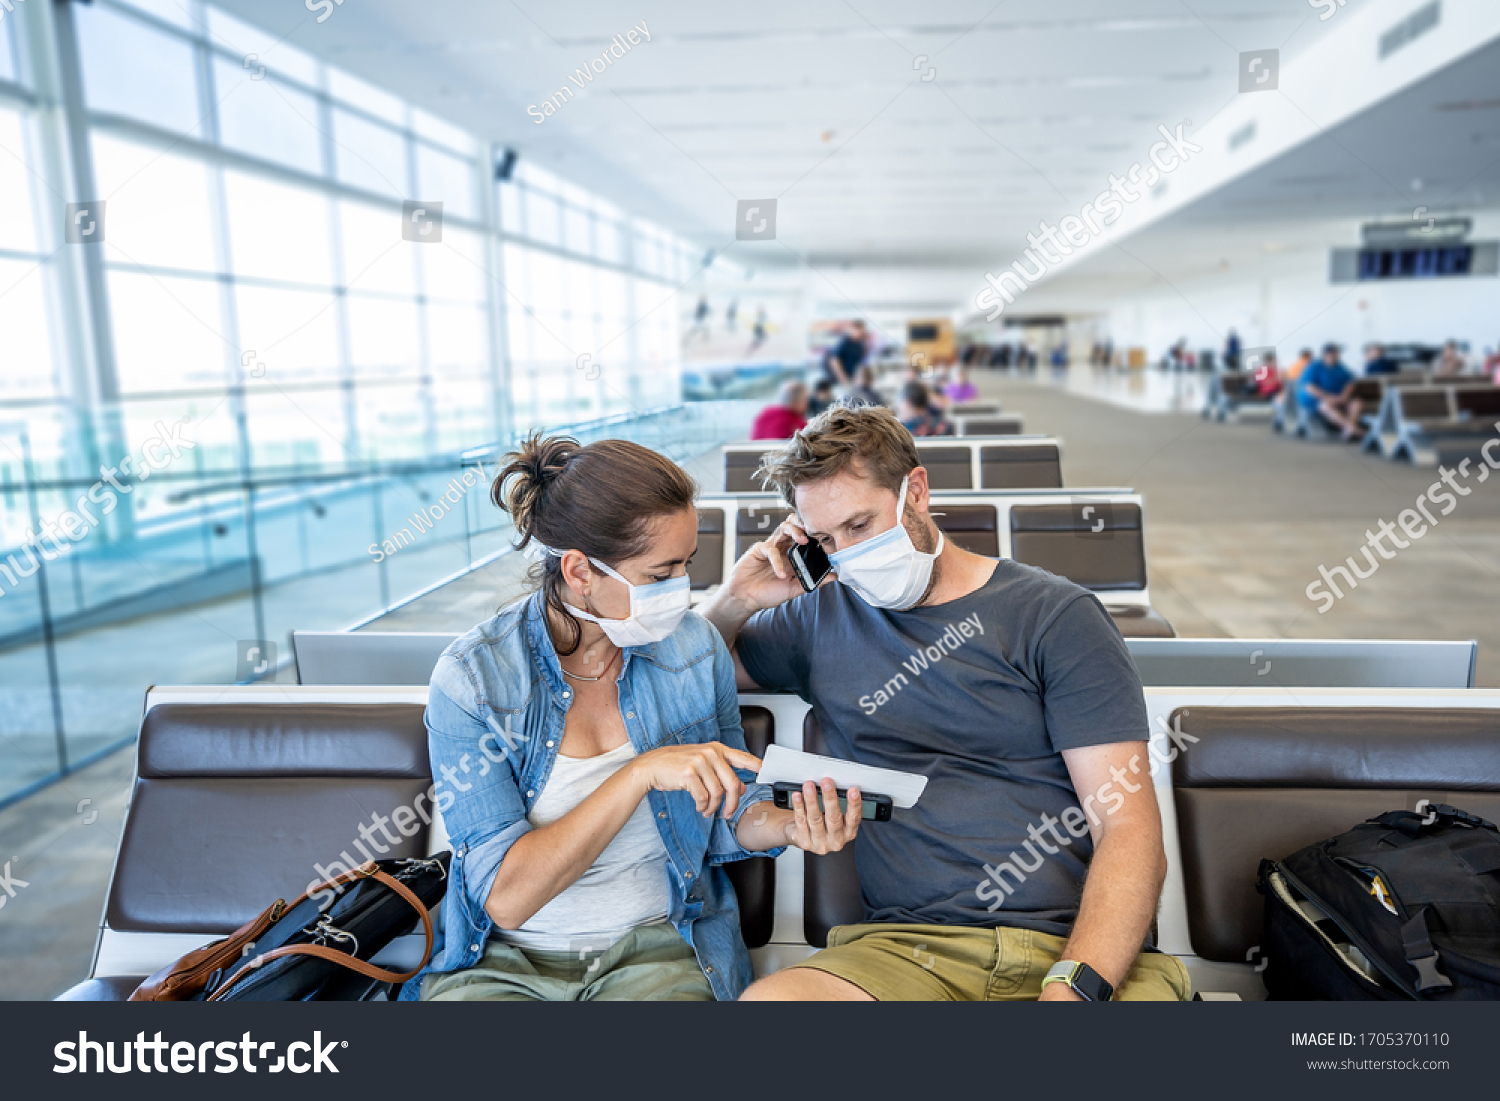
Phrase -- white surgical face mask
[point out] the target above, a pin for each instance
(655, 609)
(887, 571)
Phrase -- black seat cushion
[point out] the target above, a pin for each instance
(755, 879)
(830, 883)
(972, 527)
(947, 467)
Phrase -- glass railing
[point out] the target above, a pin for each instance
(187, 570)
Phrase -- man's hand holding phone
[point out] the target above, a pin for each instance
(767, 576)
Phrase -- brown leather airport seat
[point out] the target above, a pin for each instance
(972, 527)
(830, 883)
(739, 468)
(235, 805)
(1036, 466)
(755, 879)
(1481, 403)
(947, 467)
(1266, 781)
(707, 567)
(1063, 539)
(1425, 403)
(757, 522)
(1369, 391)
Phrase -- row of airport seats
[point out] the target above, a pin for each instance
(242, 794)
(1016, 462)
(376, 658)
(1410, 416)
(1093, 537)
(1422, 423)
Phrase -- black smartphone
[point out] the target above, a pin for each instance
(873, 807)
(810, 561)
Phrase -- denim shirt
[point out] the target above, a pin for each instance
(495, 713)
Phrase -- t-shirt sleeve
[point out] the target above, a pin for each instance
(1091, 692)
(772, 646)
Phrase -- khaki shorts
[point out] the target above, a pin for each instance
(894, 962)
(649, 964)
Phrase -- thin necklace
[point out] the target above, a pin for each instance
(580, 676)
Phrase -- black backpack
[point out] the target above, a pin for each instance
(1404, 906)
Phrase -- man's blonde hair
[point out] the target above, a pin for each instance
(869, 436)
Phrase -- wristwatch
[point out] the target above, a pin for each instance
(1082, 979)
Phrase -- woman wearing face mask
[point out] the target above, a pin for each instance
(593, 771)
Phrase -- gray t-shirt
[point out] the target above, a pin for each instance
(981, 695)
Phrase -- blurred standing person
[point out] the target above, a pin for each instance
(848, 355)
(758, 333)
(1232, 351)
(731, 315)
(700, 320)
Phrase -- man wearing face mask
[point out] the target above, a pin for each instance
(1031, 866)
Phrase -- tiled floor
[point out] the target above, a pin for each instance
(1237, 522)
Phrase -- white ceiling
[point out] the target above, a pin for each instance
(822, 105)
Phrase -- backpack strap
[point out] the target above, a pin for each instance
(1420, 953)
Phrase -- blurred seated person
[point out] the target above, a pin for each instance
(1326, 390)
(1293, 373)
(863, 391)
(918, 415)
(960, 388)
(1451, 362)
(782, 420)
(822, 397)
(1262, 380)
(1378, 363)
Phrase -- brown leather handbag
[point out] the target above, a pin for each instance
(307, 950)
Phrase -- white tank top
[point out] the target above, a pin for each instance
(625, 887)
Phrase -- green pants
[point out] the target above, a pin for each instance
(898, 962)
(649, 964)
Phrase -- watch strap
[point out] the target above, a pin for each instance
(1082, 979)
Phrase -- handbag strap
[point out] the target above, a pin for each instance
(344, 959)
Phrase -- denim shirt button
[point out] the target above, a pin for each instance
(531, 795)
(630, 714)
(689, 875)
(473, 948)
(550, 745)
(661, 814)
(566, 694)
(709, 970)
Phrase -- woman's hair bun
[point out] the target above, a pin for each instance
(521, 486)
